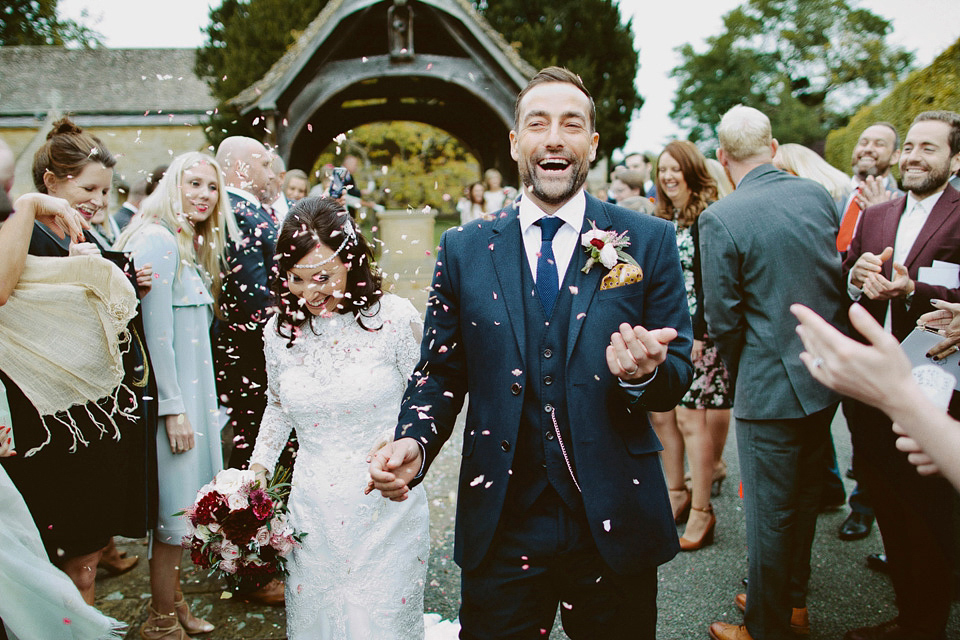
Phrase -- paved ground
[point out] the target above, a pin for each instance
(695, 588)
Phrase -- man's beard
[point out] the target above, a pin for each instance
(935, 178)
(552, 192)
(879, 168)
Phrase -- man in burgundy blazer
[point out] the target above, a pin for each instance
(894, 241)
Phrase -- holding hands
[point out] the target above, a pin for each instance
(392, 467)
(634, 353)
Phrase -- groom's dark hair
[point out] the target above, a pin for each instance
(555, 74)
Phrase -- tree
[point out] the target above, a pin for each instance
(35, 22)
(244, 39)
(411, 162)
(587, 37)
(935, 87)
(807, 64)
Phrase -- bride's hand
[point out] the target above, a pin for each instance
(261, 472)
(179, 433)
(383, 440)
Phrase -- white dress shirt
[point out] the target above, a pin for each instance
(565, 241)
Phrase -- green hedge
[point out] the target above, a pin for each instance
(935, 87)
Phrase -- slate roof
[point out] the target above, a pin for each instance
(107, 82)
(307, 41)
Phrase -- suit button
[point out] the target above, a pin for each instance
(549, 435)
(547, 379)
(548, 408)
(515, 388)
(547, 353)
(505, 445)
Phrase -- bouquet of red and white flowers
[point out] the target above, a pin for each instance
(240, 528)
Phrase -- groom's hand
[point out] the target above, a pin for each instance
(393, 466)
(634, 352)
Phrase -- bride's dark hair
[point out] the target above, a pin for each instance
(310, 222)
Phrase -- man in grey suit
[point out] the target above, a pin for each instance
(767, 245)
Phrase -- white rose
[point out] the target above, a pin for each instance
(204, 490)
(202, 533)
(608, 256)
(237, 501)
(214, 527)
(588, 236)
(228, 566)
(232, 480)
(229, 551)
(263, 536)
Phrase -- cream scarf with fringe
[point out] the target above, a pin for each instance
(63, 333)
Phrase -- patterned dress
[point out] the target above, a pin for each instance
(711, 382)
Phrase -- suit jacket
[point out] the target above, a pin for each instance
(123, 215)
(939, 239)
(244, 300)
(767, 245)
(474, 343)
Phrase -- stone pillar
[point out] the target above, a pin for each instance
(408, 253)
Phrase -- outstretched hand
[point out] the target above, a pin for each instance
(392, 467)
(634, 352)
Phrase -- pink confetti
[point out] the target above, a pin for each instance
(67, 621)
(574, 290)
(517, 372)
(309, 127)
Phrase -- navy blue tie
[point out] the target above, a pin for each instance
(548, 284)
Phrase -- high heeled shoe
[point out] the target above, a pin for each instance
(706, 538)
(719, 475)
(191, 624)
(162, 626)
(680, 514)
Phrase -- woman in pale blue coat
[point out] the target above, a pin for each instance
(182, 229)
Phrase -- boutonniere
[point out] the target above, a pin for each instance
(606, 247)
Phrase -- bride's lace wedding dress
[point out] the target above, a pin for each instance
(360, 572)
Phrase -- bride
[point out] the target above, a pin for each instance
(338, 354)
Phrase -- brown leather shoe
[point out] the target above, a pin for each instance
(889, 630)
(270, 594)
(799, 618)
(727, 631)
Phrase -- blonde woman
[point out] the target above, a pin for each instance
(807, 163)
(182, 230)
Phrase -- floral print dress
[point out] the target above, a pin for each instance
(711, 382)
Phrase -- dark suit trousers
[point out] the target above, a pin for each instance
(543, 558)
(781, 465)
(915, 516)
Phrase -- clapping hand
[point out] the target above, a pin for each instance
(634, 352)
(872, 191)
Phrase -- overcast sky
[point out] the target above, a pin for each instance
(926, 27)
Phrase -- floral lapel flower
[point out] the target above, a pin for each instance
(605, 247)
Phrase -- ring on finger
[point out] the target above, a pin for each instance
(818, 363)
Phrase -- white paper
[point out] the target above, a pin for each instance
(948, 277)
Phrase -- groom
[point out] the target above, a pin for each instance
(561, 495)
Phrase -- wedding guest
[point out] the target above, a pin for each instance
(686, 189)
(182, 229)
(719, 175)
(471, 207)
(753, 243)
(339, 353)
(104, 465)
(296, 184)
(494, 195)
(55, 608)
(135, 195)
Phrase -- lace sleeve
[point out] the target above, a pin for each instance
(408, 327)
(275, 427)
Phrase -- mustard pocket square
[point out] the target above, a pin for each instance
(621, 275)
